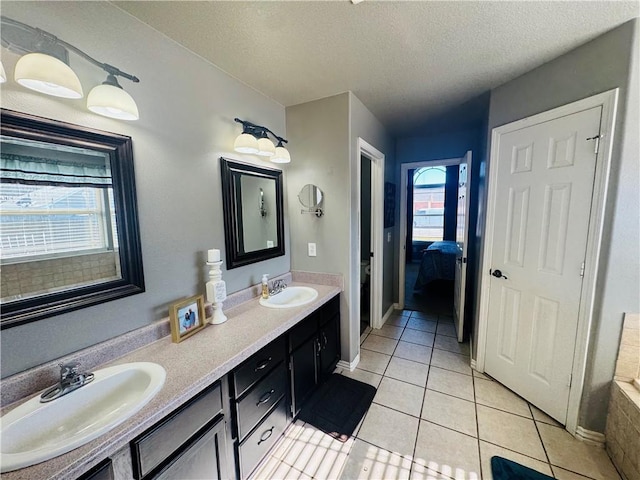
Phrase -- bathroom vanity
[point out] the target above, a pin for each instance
(229, 394)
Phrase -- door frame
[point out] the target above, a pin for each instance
(377, 232)
(608, 101)
(404, 169)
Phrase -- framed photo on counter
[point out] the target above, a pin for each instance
(187, 318)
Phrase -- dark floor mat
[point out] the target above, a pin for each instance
(503, 469)
(338, 406)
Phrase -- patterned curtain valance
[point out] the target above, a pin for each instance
(42, 171)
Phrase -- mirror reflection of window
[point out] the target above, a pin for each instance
(57, 218)
(259, 224)
(428, 204)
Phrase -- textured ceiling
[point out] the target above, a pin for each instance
(409, 62)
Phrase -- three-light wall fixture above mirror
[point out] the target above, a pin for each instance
(254, 140)
(44, 67)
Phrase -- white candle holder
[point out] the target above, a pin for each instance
(216, 292)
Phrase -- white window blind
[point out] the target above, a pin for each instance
(49, 221)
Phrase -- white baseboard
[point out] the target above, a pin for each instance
(590, 437)
(351, 366)
(388, 313)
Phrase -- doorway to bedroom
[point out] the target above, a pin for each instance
(430, 198)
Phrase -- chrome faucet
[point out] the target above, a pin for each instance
(276, 287)
(70, 380)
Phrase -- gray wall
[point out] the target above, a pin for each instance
(318, 134)
(323, 137)
(186, 123)
(362, 124)
(597, 66)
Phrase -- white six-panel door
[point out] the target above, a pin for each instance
(544, 184)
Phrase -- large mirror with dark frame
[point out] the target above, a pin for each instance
(253, 213)
(69, 235)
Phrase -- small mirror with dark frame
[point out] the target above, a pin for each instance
(253, 213)
(69, 235)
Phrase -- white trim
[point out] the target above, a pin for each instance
(351, 366)
(473, 364)
(608, 100)
(377, 230)
(389, 312)
(590, 437)
(404, 169)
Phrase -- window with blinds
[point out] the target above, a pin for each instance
(47, 221)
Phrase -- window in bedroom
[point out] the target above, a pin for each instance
(428, 204)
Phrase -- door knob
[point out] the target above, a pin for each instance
(498, 274)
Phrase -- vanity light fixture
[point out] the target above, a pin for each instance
(266, 148)
(45, 69)
(110, 100)
(282, 154)
(47, 74)
(3, 76)
(254, 139)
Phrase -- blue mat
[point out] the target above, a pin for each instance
(503, 469)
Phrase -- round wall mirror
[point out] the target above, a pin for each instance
(310, 196)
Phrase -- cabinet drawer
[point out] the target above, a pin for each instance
(256, 445)
(155, 445)
(258, 365)
(203, 459)
(260, 399)
(329, 309)
(102, 471)
(303, 331)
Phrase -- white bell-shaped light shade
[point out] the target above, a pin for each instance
(266, 148)
(46, 74)
(113, 102)
(3, 76)
(281, 156)
(246, 143)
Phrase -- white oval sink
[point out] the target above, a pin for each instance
(290, 297)
(34, 432)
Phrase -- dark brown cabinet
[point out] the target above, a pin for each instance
(314, 351)
(267, 392)
(203, 458)
(329, 341)
(188, 443)
(102, 471)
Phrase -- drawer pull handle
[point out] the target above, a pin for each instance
(266, 435)
(265, 397)
(263, 364)
(324, 340)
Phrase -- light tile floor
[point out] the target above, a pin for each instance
(433, 417)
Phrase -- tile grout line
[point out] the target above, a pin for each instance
(475, 406)
(415, 441)
(544, 448)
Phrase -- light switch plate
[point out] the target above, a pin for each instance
(312, 249)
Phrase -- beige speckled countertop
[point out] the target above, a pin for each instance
(191, 366)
